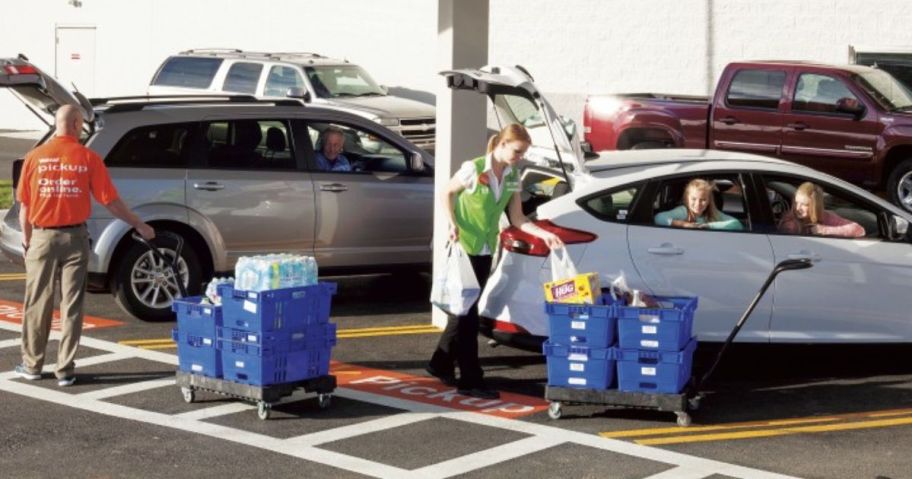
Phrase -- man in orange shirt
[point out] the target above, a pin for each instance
(54, 204)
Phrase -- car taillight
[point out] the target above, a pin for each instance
(512, 239)
(19, 69)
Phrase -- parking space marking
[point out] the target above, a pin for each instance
(11, 312)
(12, 277)
(304, 447)
(691, 429)
(10, 343)
(215, 411)
(128, 388)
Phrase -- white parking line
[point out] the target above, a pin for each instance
(541, 436)
(9, 343)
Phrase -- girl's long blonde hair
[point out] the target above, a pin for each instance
(815, 194)
(511, 132)
(699, 184)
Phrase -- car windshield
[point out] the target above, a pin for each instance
(885, 89)
(335, 81)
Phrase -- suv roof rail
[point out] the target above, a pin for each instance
(212, 50)
(136, 103)
(237, 53)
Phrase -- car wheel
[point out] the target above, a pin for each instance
(648, 145)
(899, 185)
(146, 287)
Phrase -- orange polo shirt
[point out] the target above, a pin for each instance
(56, 180)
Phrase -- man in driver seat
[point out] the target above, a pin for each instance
(330, 157)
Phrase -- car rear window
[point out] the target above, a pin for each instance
(158, 146)
(243, 77)
(187, 72)
(756, 89)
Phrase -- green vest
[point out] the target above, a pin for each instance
(478, 215)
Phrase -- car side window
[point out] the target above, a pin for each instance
(188, 72)
(613, 205)
(280, 79)
(756, 89)
(819, 93)
(245, 144)
(840, 208)
(157, 146)
(727, 192)
(243, 77)
(361, 150)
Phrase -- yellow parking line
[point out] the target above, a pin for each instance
(385, 328)
(389, 333)
(720, 427)
(12, 277)
(140, 342)
(846, 426)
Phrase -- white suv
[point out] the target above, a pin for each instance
(315, 78)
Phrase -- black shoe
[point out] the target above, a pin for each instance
(481, 393)
(446, 379)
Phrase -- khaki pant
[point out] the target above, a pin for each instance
(52, 252)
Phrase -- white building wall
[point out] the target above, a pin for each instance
(572, 47)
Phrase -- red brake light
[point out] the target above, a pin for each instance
(512, 239)
(20, 69)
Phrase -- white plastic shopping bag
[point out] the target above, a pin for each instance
(455, 287)
(562, 266)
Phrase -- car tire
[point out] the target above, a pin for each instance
(899, 185)
(649, 145)
(139, 283)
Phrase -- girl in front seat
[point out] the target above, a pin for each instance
(808, 217)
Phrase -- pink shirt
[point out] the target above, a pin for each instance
(830, 224)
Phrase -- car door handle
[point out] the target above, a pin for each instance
(798, 125)
(805, 255)
(334, 187)
(666, 249)
(209, 186)
(729, 120)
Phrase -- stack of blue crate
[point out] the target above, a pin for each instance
(580, 349)
(655, 346)
(197, 343)
(276, 336)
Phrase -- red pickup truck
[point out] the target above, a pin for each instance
(851, 121)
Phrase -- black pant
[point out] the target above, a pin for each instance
(459, 341)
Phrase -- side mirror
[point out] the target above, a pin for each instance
(299, 93)
(384, 89)
(851, 106)
(416, 162)
(899, 227)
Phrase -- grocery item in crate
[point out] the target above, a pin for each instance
(275, 271)
(622, 293)
(581, 289)
(212, 289)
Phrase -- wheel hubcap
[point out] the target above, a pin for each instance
(153, 282)
(904, 190)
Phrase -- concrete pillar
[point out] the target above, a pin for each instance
(462, 42)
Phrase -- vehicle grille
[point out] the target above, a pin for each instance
(420, 131)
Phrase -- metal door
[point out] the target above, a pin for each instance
(75, 58)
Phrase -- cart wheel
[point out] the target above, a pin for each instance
(263, 410)
(188, 394)
(694, 403)
(324, 400)
(683, 419)
(554, 410)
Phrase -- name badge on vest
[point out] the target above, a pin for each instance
(511, 186)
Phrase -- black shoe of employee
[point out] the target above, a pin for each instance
(479, 392)
(446, 379)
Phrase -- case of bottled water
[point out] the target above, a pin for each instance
(274, 271)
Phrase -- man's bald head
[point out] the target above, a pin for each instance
(69, 121)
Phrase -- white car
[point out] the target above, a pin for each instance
(856, 291)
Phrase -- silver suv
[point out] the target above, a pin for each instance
(315, 78)
(236, 176)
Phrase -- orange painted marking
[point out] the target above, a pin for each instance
(429, 390)
(12, 313)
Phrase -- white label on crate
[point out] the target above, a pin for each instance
(577, 357)
(298, 294)
(577, 324)
(650, 329)
(297, 336)
(250, 306)
(239, 364)
(584, 316)
(578, 367)
(577, 381)
(648, 371)
(649, 344)
(207, 341)
(196, 367)
(207, 311)
(252, 294)
(251, 338)
(650, 318)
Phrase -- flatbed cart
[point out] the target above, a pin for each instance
(263, 396)
(679, 403)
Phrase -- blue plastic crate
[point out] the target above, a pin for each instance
(276, 309)
(315, 335)
(197, 354)
(592, 325)
(655, 371)
(576, 366)
(249, 364)
(195, 317)
(659, 329)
